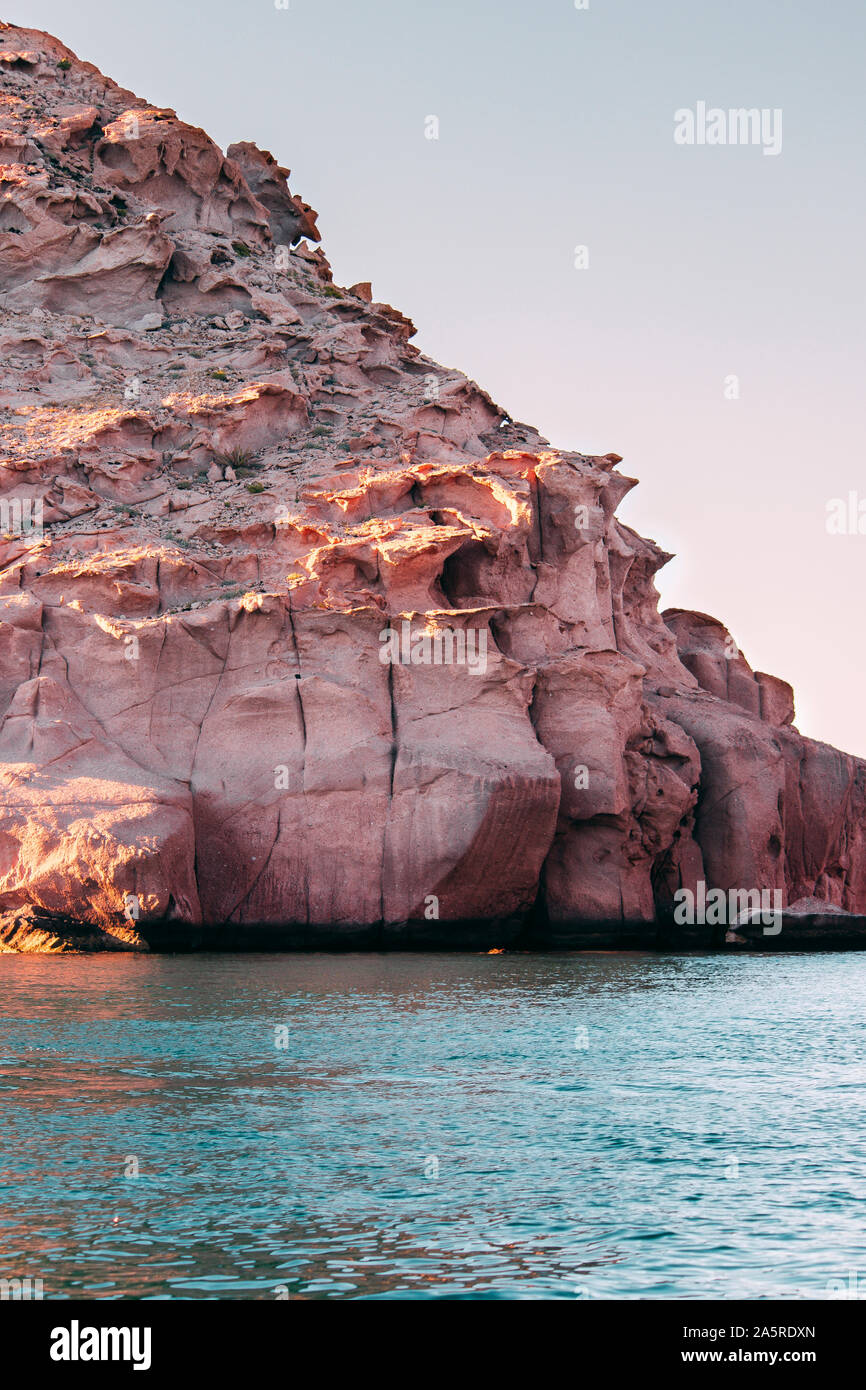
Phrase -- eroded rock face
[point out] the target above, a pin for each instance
(299, 630)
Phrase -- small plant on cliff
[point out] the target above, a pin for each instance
(321, 429)
(220, 375)
(255, 487)
(64, 64)
(235, 458)
(241, 249)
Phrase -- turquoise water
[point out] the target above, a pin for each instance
(518, 1125)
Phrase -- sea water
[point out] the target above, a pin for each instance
(453, 1125)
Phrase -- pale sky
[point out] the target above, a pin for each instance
(556, 130)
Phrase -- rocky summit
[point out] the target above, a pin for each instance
(303, 639)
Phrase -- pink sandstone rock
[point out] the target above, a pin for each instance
(229, 489)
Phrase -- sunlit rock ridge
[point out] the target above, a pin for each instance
(303, 638)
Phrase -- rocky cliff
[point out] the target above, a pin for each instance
(302, 637)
